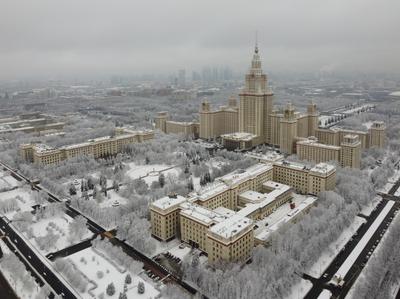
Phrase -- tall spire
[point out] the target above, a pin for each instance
(256, 61)
(256, 47)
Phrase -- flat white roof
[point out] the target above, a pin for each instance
(210, 190)
(167, 202)
(260, 200)
(274, 185)
(293, 165)
(224, 211)
(316, 143)
(323, 168)
(225, 182)
(270, 156)
(239, 136)
(41, 147)
(241, 175)
(200, 213)
(231, 226)
(265, 233)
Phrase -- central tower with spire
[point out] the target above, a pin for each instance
(256, 102)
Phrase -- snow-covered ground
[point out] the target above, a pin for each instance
(386, 188)
(59, 225)
(165, 246)
(326, 258)
(113, 199)
(395, 177)
(98, 269)
(7, 182)
(342, 271)
(367, 210)
(24, 198)
(325, 294)
(150, 173)
(299, 290)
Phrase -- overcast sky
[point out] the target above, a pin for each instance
(70, 37)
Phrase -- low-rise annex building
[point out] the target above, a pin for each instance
(99, 147)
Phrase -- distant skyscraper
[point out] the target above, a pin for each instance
(182, 78)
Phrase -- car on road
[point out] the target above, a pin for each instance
(325, 275)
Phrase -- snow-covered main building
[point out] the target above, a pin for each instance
(219, 218)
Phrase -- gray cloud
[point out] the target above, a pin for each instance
(72, 37)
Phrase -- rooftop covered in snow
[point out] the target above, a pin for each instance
(232, 227)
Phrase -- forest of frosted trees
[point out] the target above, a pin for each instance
(272, 272)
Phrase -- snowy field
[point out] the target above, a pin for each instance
(58, 226)
(323, 262)
(7, 182)
(24, 199)
(150, 173)
(325, 294)
(299, 290)
(100, 273)
(395, 177)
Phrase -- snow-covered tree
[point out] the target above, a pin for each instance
(140, 287)
(110, 289)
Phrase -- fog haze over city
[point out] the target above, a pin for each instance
(94, 38)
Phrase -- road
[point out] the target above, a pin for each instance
(149, 264)
(71, 249)
(322, 282)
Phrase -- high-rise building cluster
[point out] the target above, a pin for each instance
(255, 121)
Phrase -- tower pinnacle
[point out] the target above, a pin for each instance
(256, 47)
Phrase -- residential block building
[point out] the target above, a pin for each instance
(348, 154)
(375, 136)
(98, 147)
(304, 179)
(219, 218)
(214, 123)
